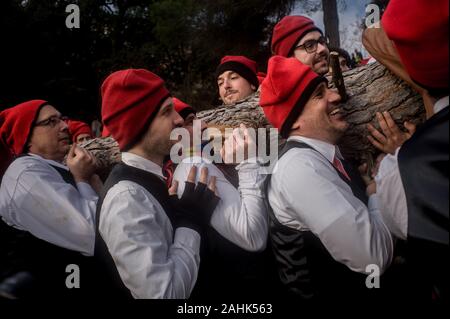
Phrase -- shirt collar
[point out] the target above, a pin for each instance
(142, 163)
(51, 162)
(441, 104)
(326, 149)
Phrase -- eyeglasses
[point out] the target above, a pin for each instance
(52, 121)
(310, 46)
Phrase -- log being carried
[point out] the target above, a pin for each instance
(371, 88)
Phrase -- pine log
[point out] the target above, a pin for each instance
(371, 88)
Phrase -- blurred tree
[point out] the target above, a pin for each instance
(331, 22)
(180, 40)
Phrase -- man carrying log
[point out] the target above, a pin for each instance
(413, 183)
(325, 229)
(236, 78)
(297, 36)
(147, 242)
(47, 206)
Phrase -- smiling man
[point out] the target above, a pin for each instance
(48, 207)
(236, 78)
(324, 228)
(297, 36)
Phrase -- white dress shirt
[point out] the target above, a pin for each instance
(391, 196)
(151, 260)
(390, 190)
(306, 193)
(35, 198)
(241, 215)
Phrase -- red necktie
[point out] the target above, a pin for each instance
(338, 164)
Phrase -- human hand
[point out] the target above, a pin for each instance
(391, 136)
(198, 201)
(81, 163)
(237, 146)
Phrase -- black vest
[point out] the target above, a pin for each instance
(108, 281)
(228, 271)
(44, 261)
(424, 169)
(305, 266)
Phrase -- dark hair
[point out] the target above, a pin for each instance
(343, 54)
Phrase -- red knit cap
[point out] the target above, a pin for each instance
(261, 76)
(241, 65)
(288, 32)
(105, 132)
(285, 90)
(129, 99)
(419, 30)
(77, 128)
(182, 108)
(16, 124)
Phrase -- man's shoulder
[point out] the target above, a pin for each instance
(301, 157)
(126, 190)
(24, 164)
(299, 164)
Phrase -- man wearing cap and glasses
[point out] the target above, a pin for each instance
(50, 207)
(297, 36)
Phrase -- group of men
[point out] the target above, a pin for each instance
(308, 231)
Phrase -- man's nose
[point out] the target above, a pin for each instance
(333, 96)
(321, 48)
(227, 84)
(63, 126)
(178, 121)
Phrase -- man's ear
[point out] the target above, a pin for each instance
(296, 125)
(253, 87)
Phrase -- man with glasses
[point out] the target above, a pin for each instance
(297, 36)
(46, 207)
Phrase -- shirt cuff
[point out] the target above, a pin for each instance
(188, 237)
(373, 203)
(87, 191)
(250, 178)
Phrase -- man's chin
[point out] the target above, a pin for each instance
(321, 68)
(231, 99)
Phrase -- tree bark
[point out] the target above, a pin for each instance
(371, 88)
(331, 22)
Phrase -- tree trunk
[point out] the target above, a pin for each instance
(331, 22)
(371, 88)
